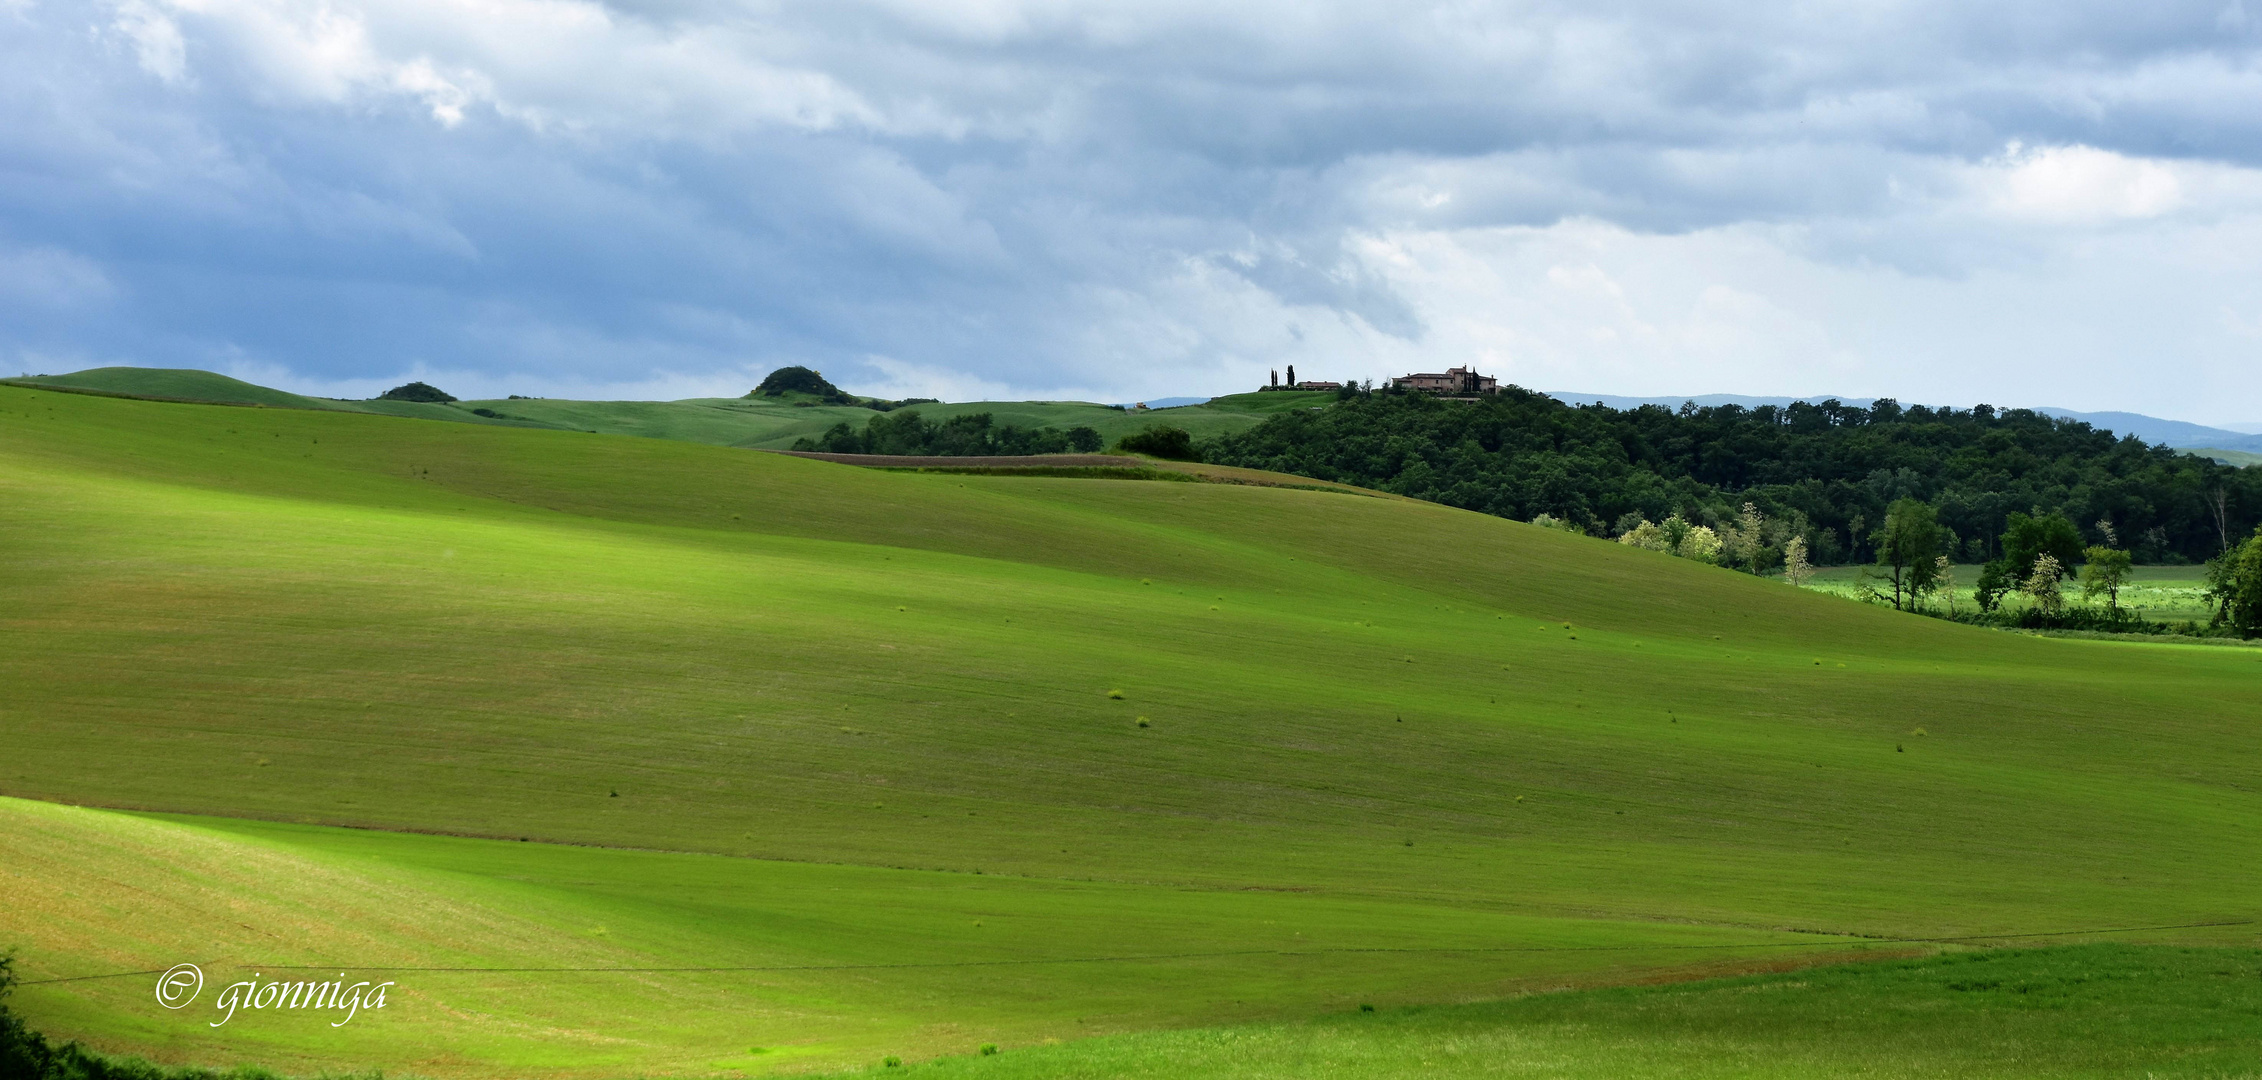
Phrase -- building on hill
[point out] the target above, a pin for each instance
(1292, 384)
(1458, 381)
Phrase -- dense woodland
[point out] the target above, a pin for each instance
(1825, 472)
(960, 436)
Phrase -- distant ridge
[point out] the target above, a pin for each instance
(2175, 434)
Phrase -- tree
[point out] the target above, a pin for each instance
(1909, 546)
(1084, 440)
(1944, 581)
(796, 379)
(2044, 585)
(1162, 442)
(2028, 538)
(1796, 569)
(1699, 543)
(1646, 536)
(1744, 541)
(2106, 570)
(2234, 583)
(417, 391)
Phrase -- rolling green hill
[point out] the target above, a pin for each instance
(1298, 749)
(762, 423)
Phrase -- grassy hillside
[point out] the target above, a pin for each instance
(1377, 721)
(763, 423)
(2095, 1011)
(684, 963)
(181, 384)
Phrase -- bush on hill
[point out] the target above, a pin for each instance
(1169, 443)
(1826, 473)
(960, 436)
(417, 391)
(801, 380)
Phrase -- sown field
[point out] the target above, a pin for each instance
(2092, 1011)
(1242, 753)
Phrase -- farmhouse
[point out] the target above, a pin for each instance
(1456, 381)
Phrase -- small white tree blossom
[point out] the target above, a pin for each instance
(1645, 536)
(2044, 583)
(1796, 569)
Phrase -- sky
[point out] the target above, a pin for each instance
(2020, 203)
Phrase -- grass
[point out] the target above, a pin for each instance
(2086, 1011)
(821, 962)
(762, 423)
(2239, 458)
(1373, 722)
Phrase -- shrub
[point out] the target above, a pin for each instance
(988, 1049)
(417, 391)
(1162, 441)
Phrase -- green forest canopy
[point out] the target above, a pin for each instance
(1829, 470)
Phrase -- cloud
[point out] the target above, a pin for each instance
(1121, 200)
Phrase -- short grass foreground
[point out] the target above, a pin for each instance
(932, 761)
(2088, 1011)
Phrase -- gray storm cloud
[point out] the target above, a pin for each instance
(1115, 200)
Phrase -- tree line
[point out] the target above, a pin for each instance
(2041, 555)
(970, 435)
(1826, 475)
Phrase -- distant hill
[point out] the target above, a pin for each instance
(2152, 429)
(190, 385)
(178, 384)
(758, 422)
(1702, 401)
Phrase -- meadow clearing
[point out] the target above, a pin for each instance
(2171, 594)
(931, 761)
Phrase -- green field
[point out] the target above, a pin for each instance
(1214, 754)
(760, 423)
(2095, 1011)
(2159, 593)
(2239, 458)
